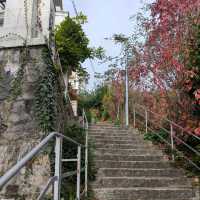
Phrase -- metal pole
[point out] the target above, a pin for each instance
(126, 96)
(134, 119)
(172, 141)
(78, 173)
(86, 161)
(16, 168)
(146, 121)
(83, 118)
(58, 166)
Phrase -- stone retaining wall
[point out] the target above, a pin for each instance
(19, 131)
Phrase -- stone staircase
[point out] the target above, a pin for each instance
(130, 168)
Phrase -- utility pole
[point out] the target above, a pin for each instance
(127, 92)
(120, 38)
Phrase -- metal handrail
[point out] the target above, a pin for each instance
(58, 176)
(171, 135)
(171, 122)
(70, 140)
(72, 173)
(48, 185)
(168, 143)
(176, 137)
(15, 169)
(86, 126)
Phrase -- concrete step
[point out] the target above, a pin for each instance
(144, 193)
(132, 141)
(116, 157)
(115, 137)
(121, 146)
(126, 182)
(154, 199)
(107, 128)
(111, 135)
(104, 124)
(130, 168)
(108, 133)
(107, 140)
(131, 164)
(124, 172)
(148, 199)
(127, 151)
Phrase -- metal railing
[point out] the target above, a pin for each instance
(56, 180)
(172, 129)
(86, 126)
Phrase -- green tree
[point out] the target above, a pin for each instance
(73, 45)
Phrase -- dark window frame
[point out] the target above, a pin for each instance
(2, 12)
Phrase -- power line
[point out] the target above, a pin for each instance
(75, 8)
(76, 12)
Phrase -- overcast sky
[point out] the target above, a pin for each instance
(105, 18)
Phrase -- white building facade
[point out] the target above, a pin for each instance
(31, 23)
(26, 22)
(60, 13)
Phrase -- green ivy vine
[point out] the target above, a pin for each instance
(45, 95)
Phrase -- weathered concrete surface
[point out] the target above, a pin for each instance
(130, 168)
(19, 131)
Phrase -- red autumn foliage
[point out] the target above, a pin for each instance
(165, 57)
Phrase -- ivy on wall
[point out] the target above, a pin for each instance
(45, 101)
(45, 96)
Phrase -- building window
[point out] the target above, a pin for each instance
(2, 11)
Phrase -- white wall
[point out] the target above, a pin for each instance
(60, 16)
(14, 31)
(75, 107)
(74, 80)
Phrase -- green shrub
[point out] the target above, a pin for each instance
(154, 136)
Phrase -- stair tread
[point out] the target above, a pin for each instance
(138, 169)
(143, 177)
(116, 171)
(103, 148)
(139, 155)
(133, 149)
(146, 188)
(128, 140)
(122, 155)
(127, 161)
(130, 168)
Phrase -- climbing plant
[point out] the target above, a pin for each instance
(45, 95)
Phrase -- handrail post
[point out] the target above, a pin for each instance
(146, 121)
(83, 118)
(134, 117)
(86, 160)
(58, 167)
(172, 140)
(78, 173)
